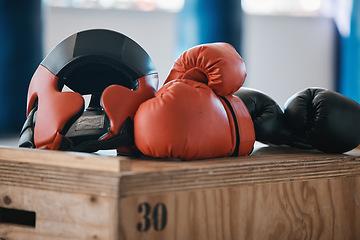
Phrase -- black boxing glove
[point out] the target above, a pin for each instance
(326, 120)
(268, 119)
(313, 118)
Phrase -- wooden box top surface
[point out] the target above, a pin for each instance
(109, 162)
(61, 170)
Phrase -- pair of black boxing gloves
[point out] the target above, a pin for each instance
(313, 118)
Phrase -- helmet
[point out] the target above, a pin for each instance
(113, 70)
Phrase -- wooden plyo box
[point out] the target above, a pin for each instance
(276, 193)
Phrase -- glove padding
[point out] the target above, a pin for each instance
(267, 116)
(194, 115)
(186, 120)
(313, 118)
(216, 64)
(325, 119)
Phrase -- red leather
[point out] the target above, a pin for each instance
(114, 97)
(194, 115)
(245, 125)
(185, 120)
(55, 108)
(217, 64)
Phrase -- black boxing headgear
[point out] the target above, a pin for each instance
(117, 73)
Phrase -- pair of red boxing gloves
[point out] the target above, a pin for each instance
(195, 115)
(201, 114)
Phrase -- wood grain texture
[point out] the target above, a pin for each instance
(73, 160)
(275, 193)
(59, 215)
(60, 179)
(320, 209)
(271, 165)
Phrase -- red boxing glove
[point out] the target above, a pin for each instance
(216, 64)
(187, 119)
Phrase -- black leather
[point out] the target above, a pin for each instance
(27, 132)
(325, 119)
(312, 118)
(266, 114)
(268, 118)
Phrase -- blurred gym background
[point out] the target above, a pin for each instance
(287, 45)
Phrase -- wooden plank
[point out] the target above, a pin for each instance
(316, 209)
(84, 173)
(275, 155)
(59, 215)
(74, 160)
(59, 179)
(259, 168)
(62, 171)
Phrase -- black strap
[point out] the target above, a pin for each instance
(27, 132)
(237, 144)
